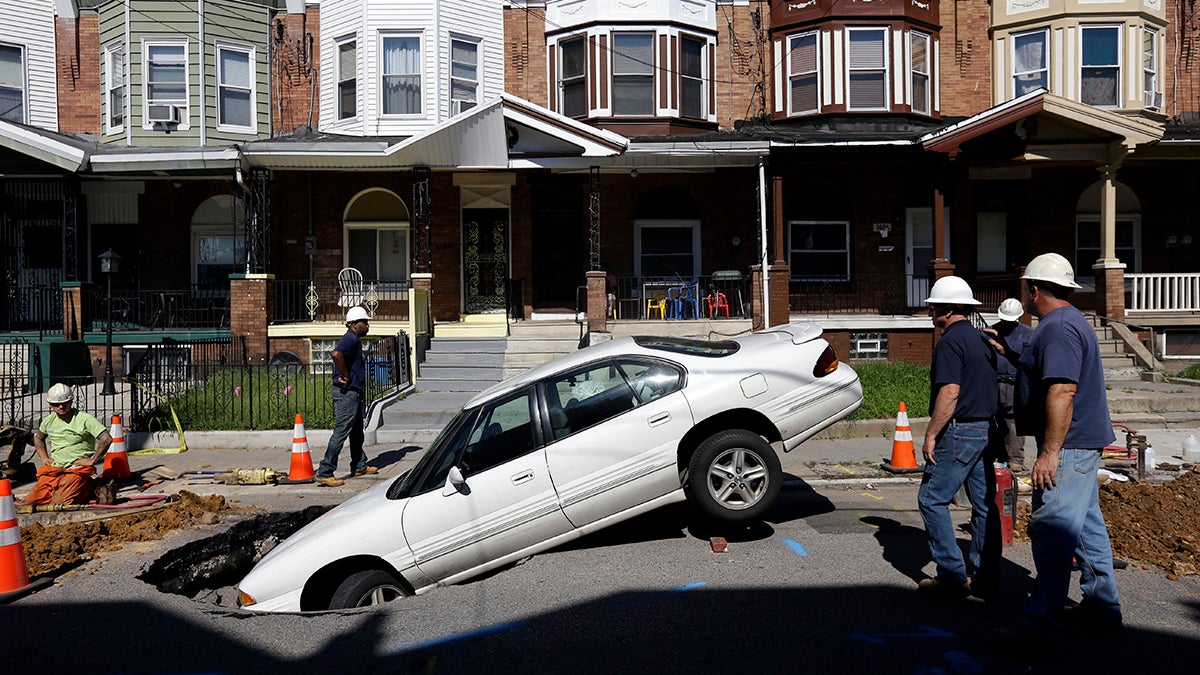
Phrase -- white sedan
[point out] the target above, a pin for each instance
(567, 448)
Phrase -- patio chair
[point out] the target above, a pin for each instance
(684, 301)
(350, 287)
(658, 304)
(717, 304)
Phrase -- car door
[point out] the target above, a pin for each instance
(614, 434)
(506, 503)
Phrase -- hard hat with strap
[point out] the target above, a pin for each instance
(1052, 268)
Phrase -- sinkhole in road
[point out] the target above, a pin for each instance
(206, 569)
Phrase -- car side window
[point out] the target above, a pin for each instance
(585, 398)
(652, 380)
(502, 432)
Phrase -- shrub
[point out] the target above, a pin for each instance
(1192, 372)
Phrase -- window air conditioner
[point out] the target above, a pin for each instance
(1153, 99)
(165, 114)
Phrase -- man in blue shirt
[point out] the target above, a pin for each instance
(1016, 336)
(962, 406)
(349, 385)
(1062, 402)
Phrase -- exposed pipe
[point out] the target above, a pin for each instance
(762, 218)
(200, 31)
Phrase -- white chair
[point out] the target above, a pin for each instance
(350, 287)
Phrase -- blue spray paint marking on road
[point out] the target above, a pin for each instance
(643, 598)
(796, 547)
(488, 630)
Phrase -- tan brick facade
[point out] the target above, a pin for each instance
(525, 54)
(250, 301)
(738, 66)
(1182, 59)
(965, 63)
(78, 67)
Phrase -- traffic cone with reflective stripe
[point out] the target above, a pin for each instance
(904, 455)
(116, 462)
(14, 575)
(301, 470)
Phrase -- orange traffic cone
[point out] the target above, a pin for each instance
(14, 575)
(301, 470)
(904, 455)
(116, 462)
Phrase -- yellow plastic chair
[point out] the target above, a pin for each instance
(656, 304)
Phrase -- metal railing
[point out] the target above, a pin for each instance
(631, 293)
(1163, 292)
(32, 308)
(301, 301)
(191, 308)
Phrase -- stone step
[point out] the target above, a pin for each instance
(474, 385)
(489, 373)
(466, 359)
(468, 345)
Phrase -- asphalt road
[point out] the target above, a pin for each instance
(827, 584)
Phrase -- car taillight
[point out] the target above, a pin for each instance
(826, 364)
(245, 599)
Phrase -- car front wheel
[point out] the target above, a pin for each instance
(366, 588)
(734, 476)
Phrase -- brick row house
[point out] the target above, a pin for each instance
(520, 160)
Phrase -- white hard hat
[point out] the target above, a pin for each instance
(1053, 268)
(357, 314)
(951, 290)
(1011, 310)
(59, 393)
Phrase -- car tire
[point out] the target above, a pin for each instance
(365, 589)
(734, 476)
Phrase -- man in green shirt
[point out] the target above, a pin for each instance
(78, 442)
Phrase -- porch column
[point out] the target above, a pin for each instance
(1109, 271)
(76, 315)
(939, 266)
(251, 308)
(778, 303)
(597, 301)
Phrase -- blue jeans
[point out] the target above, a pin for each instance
(1067, 521)
(347, 423)
(959, 457)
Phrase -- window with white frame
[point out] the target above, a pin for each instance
(12, 83)
(803, 70)
(819, 250)
(1100, 71)
(867, 69)
(1031, 57)
(1150, 69)
(378, 251)
(633, 73)
(667, 248)
(114, 87)
(691, 77)
(919, 69)
(347, 79)
(166, 76)
(464, 74)
(870, 345)
(1087, 245)
(235, 87)
(572, 80)
(401, 68)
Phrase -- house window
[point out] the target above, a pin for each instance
(1087, 245)
(218, 254)
(572, 81)
(347, 79)
(235, 90)
(166, 83)
(378, 252)
(802, 73)
(1150, 69)
(819, 250)
(1100, 75)
(402, 75)
(691, 77)
(1030, 59)
(633, 73)
(868, 69)
(868, 345)
(12, 83)
(114, 64)
(919, 60)
(464, 74)
(667, 248)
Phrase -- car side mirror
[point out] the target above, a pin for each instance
(455, 483)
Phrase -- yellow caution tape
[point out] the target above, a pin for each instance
(178, 429)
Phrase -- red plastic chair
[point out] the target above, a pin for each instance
(717, 304)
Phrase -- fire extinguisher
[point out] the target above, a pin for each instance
(1006, 503)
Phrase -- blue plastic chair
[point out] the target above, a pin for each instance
(685, 302)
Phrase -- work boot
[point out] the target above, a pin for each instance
(329, 481)
(366, 471)
(943, 588)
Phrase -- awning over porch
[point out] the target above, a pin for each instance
(59, 150)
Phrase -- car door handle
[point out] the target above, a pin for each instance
(523, 477)
(660, 418)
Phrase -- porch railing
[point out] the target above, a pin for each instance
(888, 294)
(32, 308)
(1163, 292)
(191, 308)
(631, 293)
(300, 301)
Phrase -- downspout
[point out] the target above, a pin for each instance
(241, 182)
(762, 219)
(437, 62)
(203, 116)
(128, 88)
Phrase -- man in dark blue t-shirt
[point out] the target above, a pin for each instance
(349, 385)
(961, 408)
(1016, 337)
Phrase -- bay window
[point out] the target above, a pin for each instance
(572, 81)
(868, 75)
(1100, 73)
(633, 73)
(691, 77)
(235, 87)
(803, 73)
(401, 67)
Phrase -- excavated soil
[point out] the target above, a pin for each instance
(1149, 524)
(56, 547)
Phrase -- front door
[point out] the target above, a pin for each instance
(918, 251)
(485, 260)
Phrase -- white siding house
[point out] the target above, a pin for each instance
(28, 86)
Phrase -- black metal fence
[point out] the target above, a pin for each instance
(160, 309)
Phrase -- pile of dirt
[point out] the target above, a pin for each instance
(53, 547)
(1150, 523)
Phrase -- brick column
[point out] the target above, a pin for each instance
(76, 317)
(1110, 289)
(251, 308)
(597, 301)
(777, 278)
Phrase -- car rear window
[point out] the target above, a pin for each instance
(715, 348)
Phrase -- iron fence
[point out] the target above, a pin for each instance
(32, 308)
(159, 309)
(299, 301)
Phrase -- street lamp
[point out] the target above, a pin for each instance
(110, 264)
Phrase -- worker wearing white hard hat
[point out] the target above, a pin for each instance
(349, 391)
(962, 406)
(1015, 336)
(1061, 401)
(77, 442)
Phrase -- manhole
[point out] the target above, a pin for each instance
(207, 569)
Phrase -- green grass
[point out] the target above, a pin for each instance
(886, 384)
(250, 398)
(1192, 372)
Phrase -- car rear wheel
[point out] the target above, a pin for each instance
(366, 588)
(734, 476)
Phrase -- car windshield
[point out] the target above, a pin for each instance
(715, 348)
(437, 459)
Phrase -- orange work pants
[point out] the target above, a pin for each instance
(58, 485)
